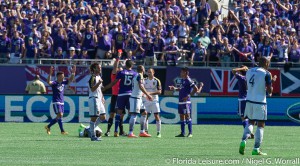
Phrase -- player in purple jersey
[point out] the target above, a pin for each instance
(125, 76)
(240, 75)
(186, 90)
(58, 97)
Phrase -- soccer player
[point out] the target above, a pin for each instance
(115, 91)
(240, 75)
(153, 87)
(84, 131)
(186, 90)
(125, 88)
(58, 97)
(96, 100)
(259, 81)
(136, 101)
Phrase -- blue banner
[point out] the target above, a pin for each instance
(205, 110)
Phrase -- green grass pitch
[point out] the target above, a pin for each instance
(28, 144)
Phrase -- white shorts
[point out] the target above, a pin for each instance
(135, 104)
(152, 106)
(96, 106)
(256, 111)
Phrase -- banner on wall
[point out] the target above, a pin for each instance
(290, 83)
(197, 75)
(34, 108)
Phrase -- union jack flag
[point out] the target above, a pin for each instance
(223, 82)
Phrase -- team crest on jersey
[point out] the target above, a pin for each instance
(88, 36)
(60, 87)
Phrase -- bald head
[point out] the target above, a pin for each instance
(264, 62)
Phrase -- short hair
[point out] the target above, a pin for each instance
(152, 69)
(185, 69)
(37, 77)
(139, 68)
(263, 60)
(129, 63)
(59, 73)
(93, 67)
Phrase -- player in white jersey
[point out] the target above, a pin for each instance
(135, 101)
(84, 131)
(96, 100)
(259, 83)
(153, 87)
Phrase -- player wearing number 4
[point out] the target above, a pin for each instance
(125, 77)
(187, 89)
(259, 81)
(58, 97)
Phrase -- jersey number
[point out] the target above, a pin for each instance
(251, 81)
(128, 80)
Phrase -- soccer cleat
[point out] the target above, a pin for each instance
(81, 127)
(107, 134)
(258, 152)
(158, 135)
(64, 133)
(180, 135)
(116, 134)
(96, 138)
(242, 147)
(189, 135)
(47, 130)
(144, 134)
(132, 136)
(123, 134)
(147, 131)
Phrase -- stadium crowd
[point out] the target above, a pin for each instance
(149, 30)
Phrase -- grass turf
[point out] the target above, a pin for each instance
(28, 144)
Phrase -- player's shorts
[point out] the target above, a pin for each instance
(184, 108)
(255, 111)
(96, 107)
(152, 106)
(123, 102)
(241, 107)
(135, 104)
(58, 108)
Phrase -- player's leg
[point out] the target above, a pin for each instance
(134, 111)
(248, 128)
(122, 132)
(261, 116)
(158, 124)
(53, 121)
(182, 126)
(102, 116)
(112, 113)
(94, 108)
(121, 103)
(189, 123)
(59, 120)
(143, 123)
(241, 111)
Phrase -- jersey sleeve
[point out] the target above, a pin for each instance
(191, 82)
(139, 78)
(268, 78)
(158, 86)
(92, 81)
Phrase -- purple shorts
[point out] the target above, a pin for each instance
(241, 107)
(184, 108)
(123, 102)
(58, 108)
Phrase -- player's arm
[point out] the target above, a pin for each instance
(235, 70)
(200, 87)
(195, 89)
(116, 64)
(173, 88)
(268, 80)
(49, 76)
(73, 71)
(110, 85)
(93, 86)
(142, 88)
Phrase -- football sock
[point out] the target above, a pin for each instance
(92, 129)
(258, 137)
(97, 122)
(117, 121)
(60, 123)
(131, 123)
(245, 122)
(189, 122)
(182, 124)
(247, 131)
(158, 125)
(53, 121)
(146, 125)
(142, 122)
(109, 124)
(121, 126)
